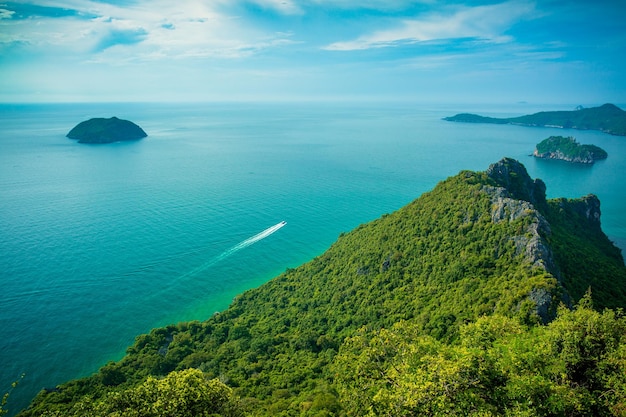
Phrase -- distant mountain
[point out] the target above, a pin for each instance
(102, 130)
(436, 309)
(567, 149)
(607, 118)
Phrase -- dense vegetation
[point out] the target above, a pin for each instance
(101, 130)
(574, 366)
(443, 300)
(559, 147)
(606, 118)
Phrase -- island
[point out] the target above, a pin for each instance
(103, 130)
(607, 118)
(567, 149)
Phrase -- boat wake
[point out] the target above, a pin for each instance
(241, 245)
(252, 240)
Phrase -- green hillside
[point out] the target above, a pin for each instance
(607, 118)
(466, 273)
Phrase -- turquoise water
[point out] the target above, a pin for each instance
(102, 243)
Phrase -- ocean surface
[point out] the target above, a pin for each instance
(101, 243)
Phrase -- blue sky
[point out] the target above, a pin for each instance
(424, 51)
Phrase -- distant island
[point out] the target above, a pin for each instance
(102, 130)
(607, 118)
(567, 149)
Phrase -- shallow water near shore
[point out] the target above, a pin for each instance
(101, 243)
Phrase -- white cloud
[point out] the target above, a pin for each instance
(141, 31)
(482, 22)
(6, 14)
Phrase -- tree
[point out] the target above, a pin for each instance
(185, 393)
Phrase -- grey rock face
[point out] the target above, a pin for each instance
(518, 196)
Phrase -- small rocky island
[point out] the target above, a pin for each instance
(607, 118)
(567, 149)
(102, 130)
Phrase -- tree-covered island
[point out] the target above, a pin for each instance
(480, 298)
(103, 130)
(607, 118)
(568, 149)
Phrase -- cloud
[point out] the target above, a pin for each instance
(6, 14)
(145, 30)
(481, 22)
(121, 37)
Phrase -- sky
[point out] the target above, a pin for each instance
(544, 51)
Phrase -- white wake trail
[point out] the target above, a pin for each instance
(241, 245)
(265, 233)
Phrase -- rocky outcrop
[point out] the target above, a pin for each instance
(531, 243)
(587, 207)
(512, 175)
(517, 196)
(561, 156)
(102, 130)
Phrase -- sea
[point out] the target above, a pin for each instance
(101, 243)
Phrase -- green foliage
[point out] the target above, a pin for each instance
(606, 118)
(441, 262)
(570, 149)
(575, 366)
(584, 254)
(186, 393)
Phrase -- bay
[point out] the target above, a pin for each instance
(100, 243)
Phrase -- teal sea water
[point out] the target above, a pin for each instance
(100, 243)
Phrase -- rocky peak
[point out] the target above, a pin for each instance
(512, 175)
(589, 207)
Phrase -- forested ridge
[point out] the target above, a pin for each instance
(467, 301)
(607, 118)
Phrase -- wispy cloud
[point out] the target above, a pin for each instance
(6, 14)
(121, 37)
(153, 29)
(481, 22)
